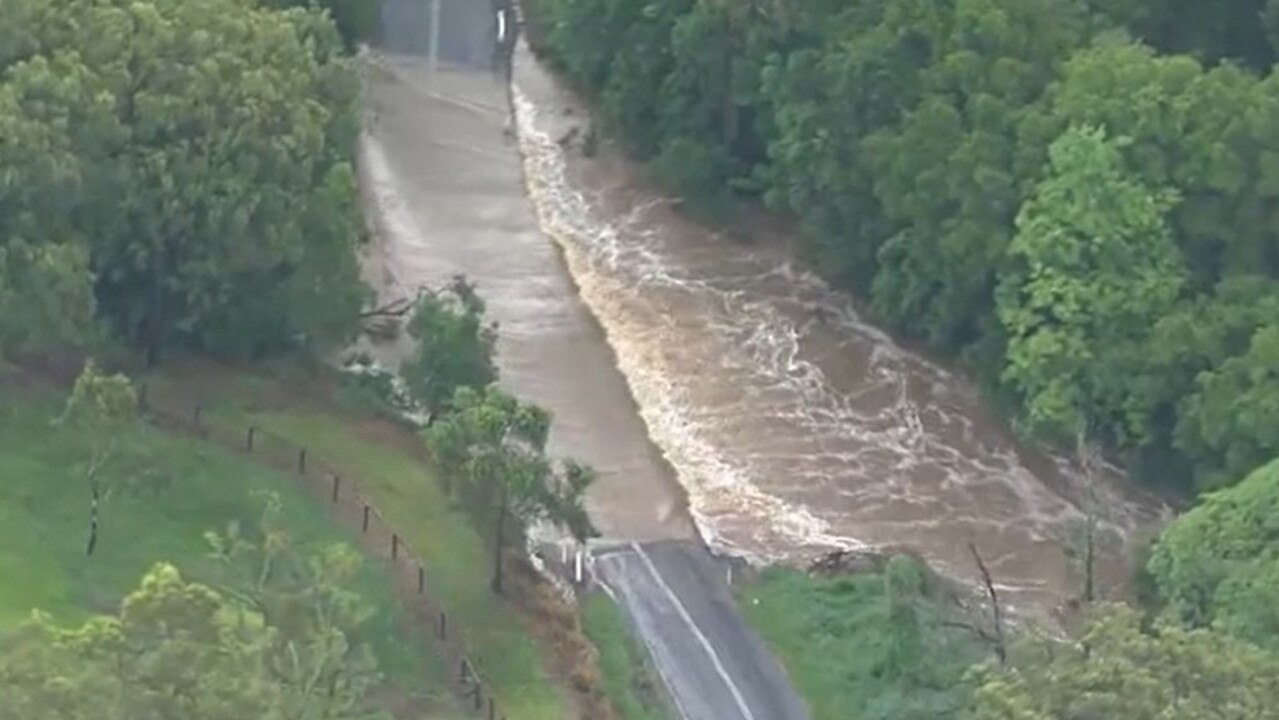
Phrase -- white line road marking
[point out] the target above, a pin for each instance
(661, 668)
(697, 632)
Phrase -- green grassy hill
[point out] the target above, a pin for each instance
(175, 489)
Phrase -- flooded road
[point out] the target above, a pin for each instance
(795, 427)
(447, 194)
(784, 426)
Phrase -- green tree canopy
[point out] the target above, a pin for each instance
(1230, 423)
(1218, 565)
(491, 450)
(276, 637)
(454, 346)
(1119, 670)
(176, 649)
(200, 151)
(1093, 268)
(1186, 350)
(356, 20)
(46, 297)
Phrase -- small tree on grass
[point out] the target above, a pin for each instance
(492, 447)
(101, 409)
(179, 649)
(316, 658)
(454, 346)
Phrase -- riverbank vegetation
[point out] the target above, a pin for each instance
(882, 644)
(1075, 201)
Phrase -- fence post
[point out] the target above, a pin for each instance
(365, 526)
(461, 671)
(301, 461)
(443, 630)
(421, 580)
(337, 482)
(492, 710)
(248, 441)
(479, 700)
(395, 546)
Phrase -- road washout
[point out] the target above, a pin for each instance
(795, 427)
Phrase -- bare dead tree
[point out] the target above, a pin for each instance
(1001, 646)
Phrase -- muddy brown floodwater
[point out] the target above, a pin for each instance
(447, 193)
(711, 382)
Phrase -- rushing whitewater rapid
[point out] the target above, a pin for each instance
(793, 425)
(705, 377)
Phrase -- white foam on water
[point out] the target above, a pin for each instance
(618, 263)
(592, 250)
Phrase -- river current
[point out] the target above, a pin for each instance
(709, 378)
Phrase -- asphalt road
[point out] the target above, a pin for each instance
(678, 601)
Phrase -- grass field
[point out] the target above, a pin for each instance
(628, 678)
(396, 481)
(182, 488)
(836, 640)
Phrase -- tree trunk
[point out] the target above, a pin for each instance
(498, 542)
(93, 516)
(1001, 647)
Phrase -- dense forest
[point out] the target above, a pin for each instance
(1076, 199)
(176, 174)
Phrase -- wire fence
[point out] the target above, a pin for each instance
(340, 492)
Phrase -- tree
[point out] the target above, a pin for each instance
(310, 600)
(176, 649)
(46, 297)
(1230, 29)
(492, 447)
(102, 409)
(1092, 268)
(1218, 565)
(1200, 132)
(949, 174)
(276, 639)
(202, 152)
(1194, 341)
(454, 346)
(356, 20)
(1230, 423)
(1119, 670)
